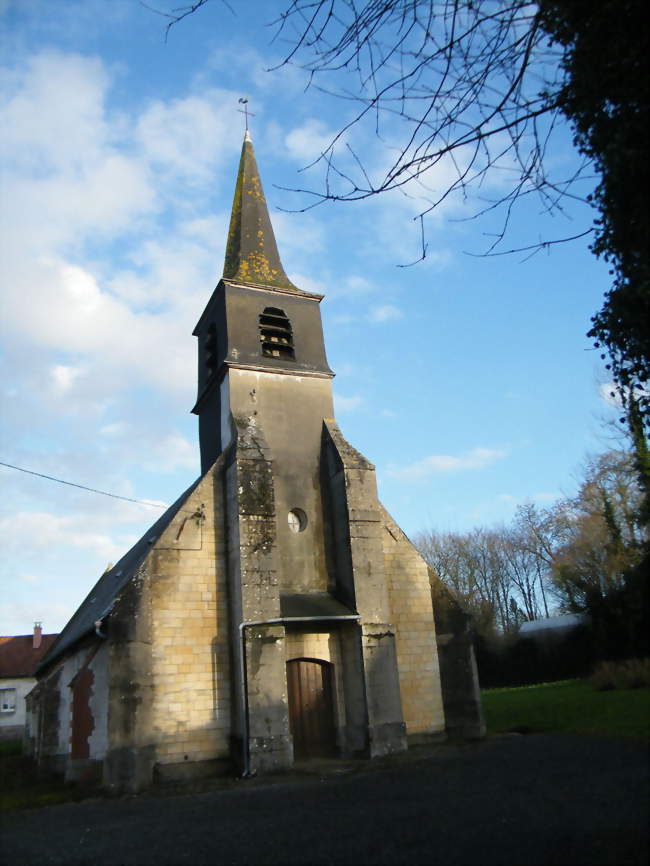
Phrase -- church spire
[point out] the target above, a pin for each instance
(251, 252)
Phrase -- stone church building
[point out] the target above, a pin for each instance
(275, 612)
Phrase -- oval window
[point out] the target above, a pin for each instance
(297, 520)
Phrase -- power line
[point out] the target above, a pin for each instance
(83, 487)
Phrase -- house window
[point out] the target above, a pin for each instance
(276, 336)
(7, 700)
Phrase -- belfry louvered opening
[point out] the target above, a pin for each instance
(276, 336)
(211, 356)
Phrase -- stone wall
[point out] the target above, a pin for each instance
(409, 591)
(353, 492)
(458, 672)
(190, 656)
(254, 591)
(49, 729)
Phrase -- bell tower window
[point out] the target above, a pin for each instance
(276, 336)
(211, 359)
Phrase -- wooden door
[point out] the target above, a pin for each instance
(311, 708)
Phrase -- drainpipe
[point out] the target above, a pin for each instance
(243, 672)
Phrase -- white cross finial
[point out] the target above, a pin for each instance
(243, 100)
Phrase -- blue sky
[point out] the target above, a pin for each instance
(467, 380)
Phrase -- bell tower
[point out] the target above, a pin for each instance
(256, 322)
(305, 562)
(262, 362)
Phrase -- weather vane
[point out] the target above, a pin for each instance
(243, 100)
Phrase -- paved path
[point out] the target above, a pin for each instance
(542, 799)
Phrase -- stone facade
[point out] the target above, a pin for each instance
(276, 611)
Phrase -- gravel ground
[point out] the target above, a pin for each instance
(539, 799)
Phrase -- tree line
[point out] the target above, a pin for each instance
(575, 555)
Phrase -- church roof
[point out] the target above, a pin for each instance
(251, 252)
(103, 595)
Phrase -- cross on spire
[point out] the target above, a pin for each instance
(244, 101)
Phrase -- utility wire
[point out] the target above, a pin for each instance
(83, 487)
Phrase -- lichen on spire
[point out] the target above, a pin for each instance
(251, 251)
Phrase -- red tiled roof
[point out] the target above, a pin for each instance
(18, 658)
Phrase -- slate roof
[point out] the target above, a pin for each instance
(18, 658)
(101, 598)
(251, 251)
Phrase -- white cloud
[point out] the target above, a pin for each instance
(63, 377)
(609, 393)
(187, 136)
(57, 100)
(19, 617)
(545, 496)
(119, 428)
(38, 530)
(172, 452)
(29, 578)
(298, 235)
(384, 313)
(82, 177)
(347, 404)
(307, 142)
(477, 458)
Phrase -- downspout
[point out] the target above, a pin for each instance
(98, 622)
(243, 672)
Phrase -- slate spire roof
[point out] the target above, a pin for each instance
(251, 253)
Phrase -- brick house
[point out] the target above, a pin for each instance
(275, 612)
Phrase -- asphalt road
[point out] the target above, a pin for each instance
(540, 799)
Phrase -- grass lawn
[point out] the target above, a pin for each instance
(572, 706)
(23, 785)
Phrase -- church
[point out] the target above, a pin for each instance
(275, 612)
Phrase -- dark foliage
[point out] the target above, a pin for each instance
(527, 660)
(606, 96)
(621, 617)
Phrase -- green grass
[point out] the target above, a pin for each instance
(10, 747)
(572, 706)
(24, 786)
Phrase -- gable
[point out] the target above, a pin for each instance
(101, 598)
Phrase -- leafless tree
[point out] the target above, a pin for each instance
(474, 86)
(525, 573)
(486, 571)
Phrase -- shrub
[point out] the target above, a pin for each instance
(629, 674)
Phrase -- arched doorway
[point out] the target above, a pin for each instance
(311, 708)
